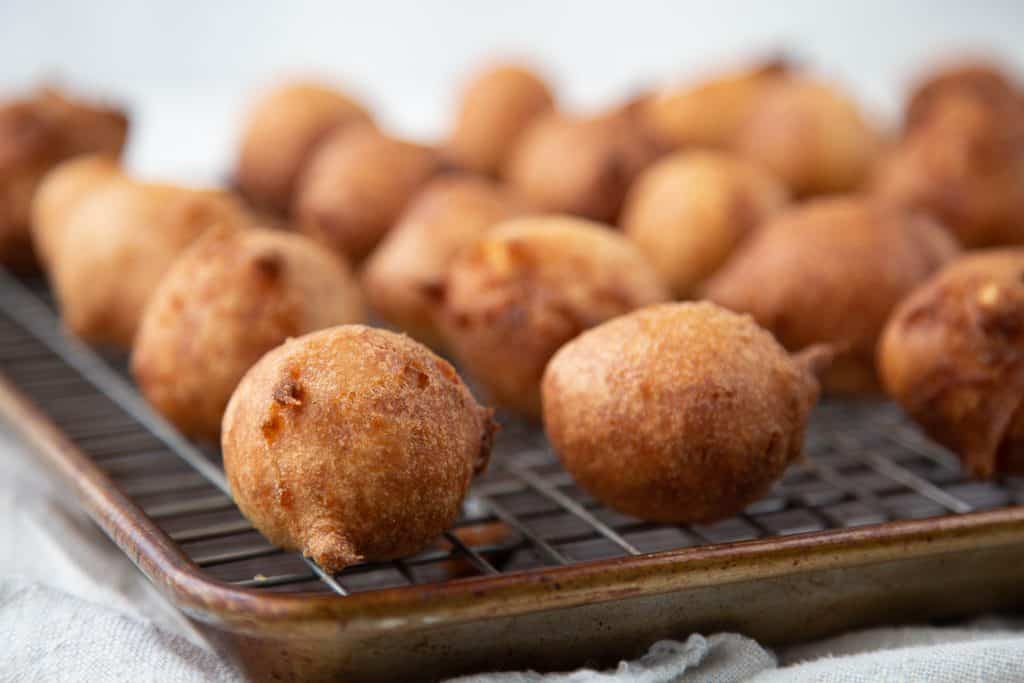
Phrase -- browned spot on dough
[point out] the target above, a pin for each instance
(289, 392)
(434, 290)
(269, 266)
(285, 498)
(416, 375)
(271, 427)
(446, 370)
(520, 254)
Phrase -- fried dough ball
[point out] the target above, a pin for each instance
(689, 211)
(357, 185)
(710, 113)
(983, 81)
(497, 105)
(679, 412)
(528, 286)
(232, 296)
(108, 240)
(36, 134)
(282, 131)
(811, 135)
(965, 166)
(831, 271)
(58, 197)
(353, 444)
(953, 356)
(403, 274)
(581, 166)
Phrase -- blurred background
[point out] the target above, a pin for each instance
(187, 69)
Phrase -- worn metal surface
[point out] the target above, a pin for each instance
(877, 525)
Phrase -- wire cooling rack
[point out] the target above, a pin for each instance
(866, 465)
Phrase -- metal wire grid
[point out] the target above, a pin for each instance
(866, 465)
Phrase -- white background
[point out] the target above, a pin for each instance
(186, 69)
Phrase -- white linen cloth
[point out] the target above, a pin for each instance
(73, 608)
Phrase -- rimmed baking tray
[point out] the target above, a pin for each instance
(876, 525)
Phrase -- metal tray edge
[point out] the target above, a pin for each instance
(251, 611)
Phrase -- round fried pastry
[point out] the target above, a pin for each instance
(811, 135)
(953, 356)
(831, 271)
(528, 286)
(689, 211)
(357, 185)
(229, 298)
(496, 106)
(403, 275)
(282, 131)
(353, 444)
(677, 413)
(579, 165)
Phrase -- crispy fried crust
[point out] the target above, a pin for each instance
(689, 211)
(357, 185)
(36, 134)
(281, 133)
(530, 285)
(403, 275)
(831, 271)
(953, 356)
(58, 196)
(982, 81)
(580, 166)
(811, 135)
(232, 296)
(709, 113)
(107, 240)
(677, 412)
(964, 164)
(496, 106)
(353, 444)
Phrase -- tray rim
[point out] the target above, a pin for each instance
(289, 615)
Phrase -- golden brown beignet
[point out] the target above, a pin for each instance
(579, 165)
(107, 239)
(953, 356)
(233, 295)
(831, 271)
(678, 413)
(689, 211)
(36, 134)
(529, 285)
(496, 106)
(353, 444)
(357, 185)
(402, 276)
(811, 135)
(282, 131)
